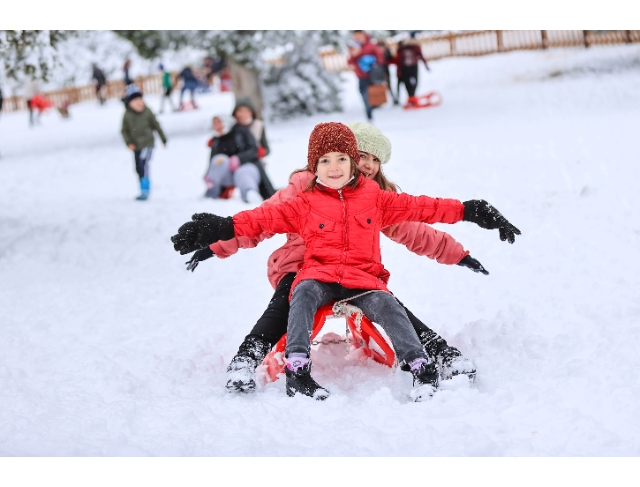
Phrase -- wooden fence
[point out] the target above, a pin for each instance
(151, 84)
(434, 46)
(481, 42)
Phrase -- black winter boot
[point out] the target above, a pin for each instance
(241, 372)
(449, 360)
(425, 381)
(301, 381)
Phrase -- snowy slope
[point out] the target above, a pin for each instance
(110, 348)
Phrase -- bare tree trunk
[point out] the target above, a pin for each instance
(245, 83)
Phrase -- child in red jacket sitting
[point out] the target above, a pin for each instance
(340, 216)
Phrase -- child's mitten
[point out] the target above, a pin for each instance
(486, 216)
(203, 230)
(234, 163)
(199, 256)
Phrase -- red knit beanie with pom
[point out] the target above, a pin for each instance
(331, 137)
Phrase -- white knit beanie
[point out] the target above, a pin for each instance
(371, 140)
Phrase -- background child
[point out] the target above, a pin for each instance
(167, 86)
(138, 125)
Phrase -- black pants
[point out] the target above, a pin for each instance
(142, 157)
(409, 77)
(272, 325)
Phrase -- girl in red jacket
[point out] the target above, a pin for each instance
(339, 217)
(283, 264)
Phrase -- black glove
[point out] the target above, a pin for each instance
(486, 216)
(199, 256)
(203, 230)
(473, 264)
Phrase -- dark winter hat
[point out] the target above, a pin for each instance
(331, 137)
(244, 102)
(132, 92)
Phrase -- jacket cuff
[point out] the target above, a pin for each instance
(227, 231)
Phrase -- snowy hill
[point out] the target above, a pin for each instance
(110, 348)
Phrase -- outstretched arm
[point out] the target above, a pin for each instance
(398, 208)
(207, 228)
(404, 207)
(421, 239)
(297, 183)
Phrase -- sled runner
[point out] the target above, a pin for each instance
(432, 99)
(359, 326)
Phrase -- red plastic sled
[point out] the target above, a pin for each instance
(360, 338)
(432, 99)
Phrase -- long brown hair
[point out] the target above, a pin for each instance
(379, 178)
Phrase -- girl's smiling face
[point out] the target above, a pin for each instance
(334, 169)
(369, 165)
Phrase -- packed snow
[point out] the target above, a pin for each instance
(111, 348)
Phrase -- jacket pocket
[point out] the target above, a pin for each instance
(367, 232)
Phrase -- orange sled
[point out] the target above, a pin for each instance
(360, 338)
(432, 99)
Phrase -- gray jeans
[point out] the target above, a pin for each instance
(246, 178)
(380, 307)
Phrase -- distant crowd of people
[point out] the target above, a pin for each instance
(370, 61)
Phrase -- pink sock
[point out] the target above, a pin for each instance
(415, 364)
(296, 360)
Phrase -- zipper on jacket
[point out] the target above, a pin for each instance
(344, 238)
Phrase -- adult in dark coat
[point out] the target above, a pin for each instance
(240, 146)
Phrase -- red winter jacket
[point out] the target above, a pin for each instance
(419, 238)
(341, 229)
(367, 48)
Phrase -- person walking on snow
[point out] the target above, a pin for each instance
(407, 57)
(387, 59)
(189, 82)
(101, 82)
(128, 80)
(339, 216)
(167, 86)
(363, 55)
(31, 91)
(375, 150)
(138, 126)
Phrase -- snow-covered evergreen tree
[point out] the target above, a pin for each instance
(30, 53)
(301, 85)
(247, 51)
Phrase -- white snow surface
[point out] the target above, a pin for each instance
(111, 348)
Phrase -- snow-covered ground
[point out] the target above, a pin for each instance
(110, 348)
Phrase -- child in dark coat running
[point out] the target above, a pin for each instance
(340, 216)
(138, 125)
